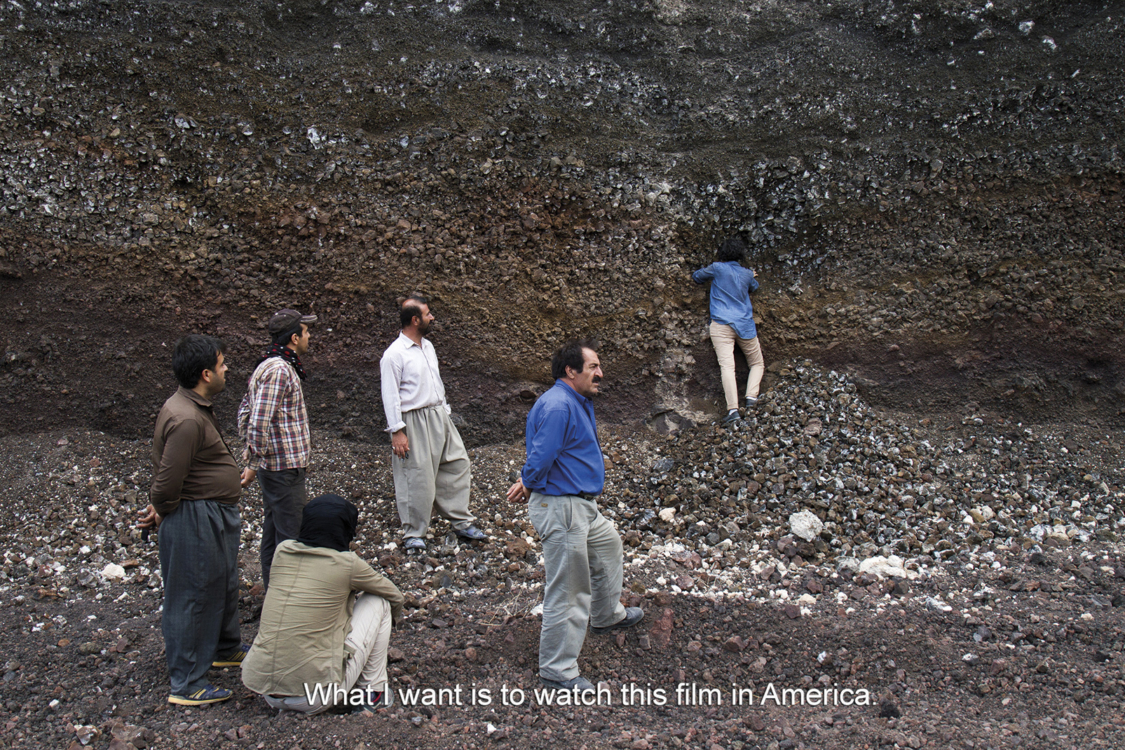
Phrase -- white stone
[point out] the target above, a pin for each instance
(937, 604)
(667, 514)
(884, 567)
(86, 732)
(805, 525)
(986, 513)
(113, 572)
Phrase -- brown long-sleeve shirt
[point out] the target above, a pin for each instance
(190, 459)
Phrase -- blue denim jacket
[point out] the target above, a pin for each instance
(731, 285)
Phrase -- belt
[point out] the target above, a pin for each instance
(583, 495)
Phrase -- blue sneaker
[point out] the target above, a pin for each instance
(203, 696)
(232, 658)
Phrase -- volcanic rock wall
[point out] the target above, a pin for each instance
(932, 192)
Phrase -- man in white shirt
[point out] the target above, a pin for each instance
(429, 463)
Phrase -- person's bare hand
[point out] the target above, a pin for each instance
(149, 519)
(400, 445)
(517, 493)
(248, 475)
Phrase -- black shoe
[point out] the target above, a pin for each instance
(471, 533)
(633, 615)
(579, 682)
(730, 418)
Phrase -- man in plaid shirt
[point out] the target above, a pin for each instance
(275, 426)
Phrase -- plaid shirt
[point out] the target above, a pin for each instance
(272, 418)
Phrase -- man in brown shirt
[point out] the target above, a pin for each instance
(194, 505)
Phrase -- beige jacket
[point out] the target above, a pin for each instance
(306, 617)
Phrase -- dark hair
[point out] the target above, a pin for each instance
(192, 355)
(285, 338)
(570, 355)
(410, 310)
(733, 248)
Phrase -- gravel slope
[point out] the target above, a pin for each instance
(997, 631)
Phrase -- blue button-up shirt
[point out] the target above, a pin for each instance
(731, 285)
(563, 454)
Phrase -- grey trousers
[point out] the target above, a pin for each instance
(435, 474)
(284, 499)
(365, 666)
(583, 564)
(199, 565)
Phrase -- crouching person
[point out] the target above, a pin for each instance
(326, 621)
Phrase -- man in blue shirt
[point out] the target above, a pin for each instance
(560, 481)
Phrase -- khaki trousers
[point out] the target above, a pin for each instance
(436, 473)
(723, 338)
(366, 665)
(583, 564)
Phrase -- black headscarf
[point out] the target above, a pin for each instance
(328, 521)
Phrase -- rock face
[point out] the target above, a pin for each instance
(931, 192)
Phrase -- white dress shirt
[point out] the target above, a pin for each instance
(410, 380)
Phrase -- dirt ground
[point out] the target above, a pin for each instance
(997, 645)
(932, 195)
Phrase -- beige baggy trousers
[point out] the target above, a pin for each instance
(436, 473)
(366, 665)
